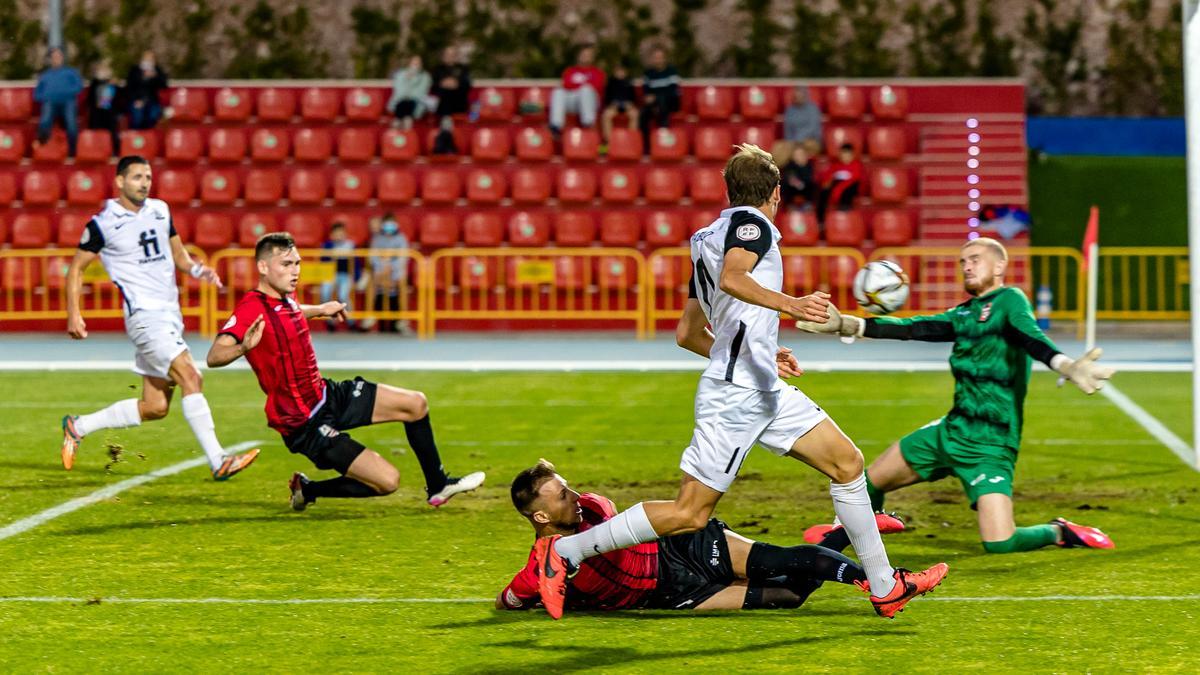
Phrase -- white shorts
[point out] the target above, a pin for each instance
(157, 341)
(731, 419)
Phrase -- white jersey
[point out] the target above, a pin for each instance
(135, 249)
(747, 336)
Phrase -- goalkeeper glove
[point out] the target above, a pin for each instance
(838, 324)
(1084, 373)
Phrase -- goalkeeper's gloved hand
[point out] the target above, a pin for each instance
(1084, 373)
(838, 324)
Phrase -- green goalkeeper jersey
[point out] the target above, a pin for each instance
(994, 336)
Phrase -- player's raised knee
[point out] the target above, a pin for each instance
(388, 483)
(154, 410)
(847, 465)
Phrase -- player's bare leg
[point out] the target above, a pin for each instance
(888, 472)
(153, 405)
(689, 511)
(186, 375)
(371, 469)
(369, 475)
(999, 533)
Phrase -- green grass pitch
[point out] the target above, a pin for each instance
(620, 434)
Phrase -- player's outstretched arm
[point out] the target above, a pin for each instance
(226, 348)
(184, 263)
(932, 328)
(736, 281)
(326, 310)
(1083, 372)
(692, 332)
(76, 327)
(1021, 327)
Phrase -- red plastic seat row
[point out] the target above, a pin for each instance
(756, 102)
(278, 104)
(84, 187)
(882, 142)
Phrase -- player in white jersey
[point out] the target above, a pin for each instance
(136, 242)
(736, 288)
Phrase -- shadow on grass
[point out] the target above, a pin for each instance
(283, 517)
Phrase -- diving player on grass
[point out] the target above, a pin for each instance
(994, 335)
(311, 413)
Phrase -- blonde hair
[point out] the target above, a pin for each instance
(750, 176)
(990, 244)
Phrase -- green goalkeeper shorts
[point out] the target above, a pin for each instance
(982, 469)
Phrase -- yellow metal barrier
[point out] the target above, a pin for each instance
(804, 270)
(537, 284)
(381, 284)
(33, 287)
(1143, 283)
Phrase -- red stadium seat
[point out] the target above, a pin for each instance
(486, 186)
(312, 145)
(358, 229)
(490, 145)
(707, 186)
(95, 147)
(175, 186)
(70, 228)
(86, 188)
(483, 229)
(840, 272)
(892, 227)
(576, 185)
(3, 229)
(54, 150)
(356, 144)
(16, 104)
(308, 229)
(581, 144)
(140, 142)
(182, 222)
(665, 270)
(254, 225)
(620, 228)
(713, 144)
(269, 145)
(226, 145)
(397, 186)
(184, 145)
(534, 145)
(571, 273)
(800, 274)
(41, 188)
(668, 144)
(219, 186)
(845, 228)
(476, 273)
(889, 103)
(496, 105)
(319, 105)
(531, 186)
(440, 186)
(307, 186)
(12, 145)
(188, 104)
(889, 185)
(276, 104)
(762, 136)
(799, 228)
(398, 145)
(31, 230)
(836, 137)
(264, 186)
(352, 186)
(363, 105)
(665, 228)
(619, 186)
(232, 105)
(616, 273)
(714, 103)
(574, 228)
(664, 185)
(213, 231)
(885, 142)
(534, 102)
(528, 229)
(844, 102)
(625, 145)
(439, 230)
(21, 274)
(8, 190)
(759, 103)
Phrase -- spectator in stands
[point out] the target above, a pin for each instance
(346, 268)
(57, 90)
(103, 112)
(145, 81)
(582, 85)
(802, 121)
(620, 97)
(660, 89)
(390, 273)
(798, 184)
(410, 92)
(839, 182)
(451, 83)
(443, 141)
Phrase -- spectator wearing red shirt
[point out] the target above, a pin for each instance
(839, 182)
(580, 92)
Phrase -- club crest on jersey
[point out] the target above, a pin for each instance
(87, 236)
(985, 313)
(747, 232)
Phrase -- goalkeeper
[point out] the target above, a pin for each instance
(994, 335)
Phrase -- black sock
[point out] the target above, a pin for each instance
(836, 540)
(420, 439)
(798, 563)
(342, 486)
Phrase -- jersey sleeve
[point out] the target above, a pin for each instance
(931, 328)
(92, 239)
(522, 591)
(1020, 327)
(238, 322)
(692, 284)
(750, 232)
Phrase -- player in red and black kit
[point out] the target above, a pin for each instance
(312, 413)
(713, 568)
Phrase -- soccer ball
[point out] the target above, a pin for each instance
(881, 287)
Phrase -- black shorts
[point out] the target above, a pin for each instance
(692, 568)
(348, 404)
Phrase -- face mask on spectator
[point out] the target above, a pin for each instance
(389, 227)
(147, 65)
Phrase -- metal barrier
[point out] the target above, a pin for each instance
(33, 285)
(379, 283)
(538, 284)
(804, 270)
(1143, 283)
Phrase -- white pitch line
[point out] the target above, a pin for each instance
(1151, 424)
(26, 524)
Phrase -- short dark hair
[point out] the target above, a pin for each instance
(527, 483)
(337, 225)
(127, 161)
(847, 146)
(271, 242)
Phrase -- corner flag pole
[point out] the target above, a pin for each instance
(1091, 261)
(1191, 97)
